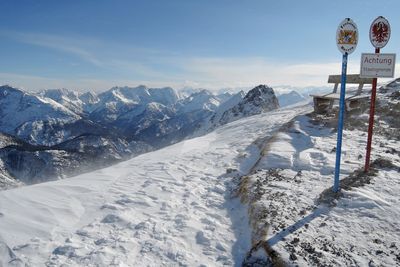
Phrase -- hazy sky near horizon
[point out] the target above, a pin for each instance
(210, 43)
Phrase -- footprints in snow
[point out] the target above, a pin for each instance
(150, 223)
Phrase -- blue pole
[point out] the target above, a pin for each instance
(340, 123)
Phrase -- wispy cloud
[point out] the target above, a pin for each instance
(297, 76)
(109, 55)
(250, 71)
(135, 65)
(69, 45)
(239, 72)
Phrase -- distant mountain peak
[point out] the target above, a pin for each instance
(259, 99)
(59, 94)
(259, 94)
(290, 98)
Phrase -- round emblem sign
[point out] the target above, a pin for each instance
(379, 33)
(347, 36)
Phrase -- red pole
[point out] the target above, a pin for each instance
(371, 120)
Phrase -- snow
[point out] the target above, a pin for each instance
(32, 117)
(168, 207)
(69, 99)
(230, 103)
(139, 95)
(299, 218)
(18, 108)
(176, 206)
(203, 100)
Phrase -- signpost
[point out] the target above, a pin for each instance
(346, 40)
(377, 65)
(379, 35)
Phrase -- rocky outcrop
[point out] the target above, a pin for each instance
(259, 99)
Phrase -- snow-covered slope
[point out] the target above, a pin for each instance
(89, 100)
(67, 98)
(136, 120)
(30, 117)
(295, 216)
(165, 208)
(227, 105)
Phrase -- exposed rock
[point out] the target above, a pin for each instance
(259, 99)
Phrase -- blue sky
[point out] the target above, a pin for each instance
(211, 44)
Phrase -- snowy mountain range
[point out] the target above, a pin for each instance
(57, 132)
(253, 192)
